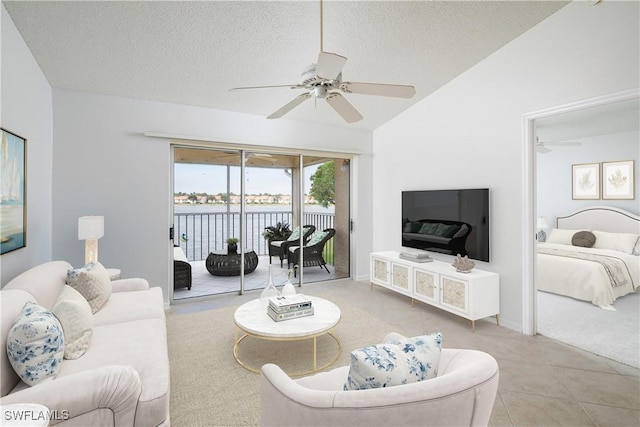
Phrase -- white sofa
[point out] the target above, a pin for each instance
(462, 394)
(121, 380)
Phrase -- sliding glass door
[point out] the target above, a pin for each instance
(241, 214)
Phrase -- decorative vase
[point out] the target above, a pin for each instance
(232, 248)
(270, 290)
(288, 288)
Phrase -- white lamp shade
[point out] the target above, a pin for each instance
(542, 223)
(90, 227)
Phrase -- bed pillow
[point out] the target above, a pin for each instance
(561, 236)
(395, 363)
(621, 242)
(636, 248)
(586, 239)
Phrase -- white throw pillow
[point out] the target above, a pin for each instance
(562, 236)
(35, 344)
(395, 362)
(94, 283)
(621, 242)
(74, 313)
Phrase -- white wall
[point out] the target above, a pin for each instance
(27, 111)
(105, 166)
(469, 133)
(554, 173)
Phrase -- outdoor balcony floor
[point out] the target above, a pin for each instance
(204, 283)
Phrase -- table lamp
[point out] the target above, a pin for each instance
(90, 229)
(541, 225)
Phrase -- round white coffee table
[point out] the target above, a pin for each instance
(252, 320)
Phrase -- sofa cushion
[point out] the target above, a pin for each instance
(130, 306)
(395, 362)
(429, 228)
(53, 274)
(317, 237)
(35, 344)
(141, 344)
(93, 282)
(74, 313)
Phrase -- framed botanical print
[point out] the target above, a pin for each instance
(13, 213)
(585, 181)
(618, 180)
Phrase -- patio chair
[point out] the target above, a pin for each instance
(181, 269)
(312, 251)
(280, 248)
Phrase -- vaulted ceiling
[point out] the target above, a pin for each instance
(193, 52)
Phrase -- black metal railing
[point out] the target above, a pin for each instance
(201, 233)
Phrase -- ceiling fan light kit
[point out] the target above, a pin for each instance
(323, 80)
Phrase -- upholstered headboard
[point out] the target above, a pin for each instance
(608, 219)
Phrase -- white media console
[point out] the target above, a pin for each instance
(473, 295)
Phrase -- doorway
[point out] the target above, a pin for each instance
(592, 131)
(244, 195)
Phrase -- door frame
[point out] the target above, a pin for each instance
(188, 142)
(529, 300)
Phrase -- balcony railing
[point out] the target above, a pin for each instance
(201, 233)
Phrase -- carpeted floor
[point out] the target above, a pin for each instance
(201, 355)
(612, 334)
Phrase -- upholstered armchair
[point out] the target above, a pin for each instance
(462, 394)
(280, 248)
(312, 251)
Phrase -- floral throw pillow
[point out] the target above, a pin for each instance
(395, 363)
(35, 344)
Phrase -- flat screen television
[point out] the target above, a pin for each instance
(447, 221)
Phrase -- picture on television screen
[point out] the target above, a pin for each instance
(447, 221)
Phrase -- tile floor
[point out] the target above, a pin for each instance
(542, 382)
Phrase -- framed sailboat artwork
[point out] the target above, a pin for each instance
(13, 208)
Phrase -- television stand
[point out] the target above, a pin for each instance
(473, 295)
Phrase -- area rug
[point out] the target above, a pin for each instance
(612, 334)
(208, 386)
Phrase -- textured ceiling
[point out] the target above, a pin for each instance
(193, 52)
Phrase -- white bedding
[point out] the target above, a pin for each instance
(582, 279)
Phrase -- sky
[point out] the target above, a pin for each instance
(212, 179)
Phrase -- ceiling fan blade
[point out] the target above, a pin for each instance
(293, 86)
(342, 107)
(329, 65)
(542, 149)
(398, 91)
(290, 106)
(567, 144)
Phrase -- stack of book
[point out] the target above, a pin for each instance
(289, 307)
(416, 256)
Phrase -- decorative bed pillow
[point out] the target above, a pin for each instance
(35, 344)
(74, 313)
(561, 236)
(636, 247)
(395, 363)
(586, 239)
(93, 283)
(621, 242)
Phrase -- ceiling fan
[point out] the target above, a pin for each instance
(323, 80)
(542, 146)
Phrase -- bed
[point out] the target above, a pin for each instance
(599, 272)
